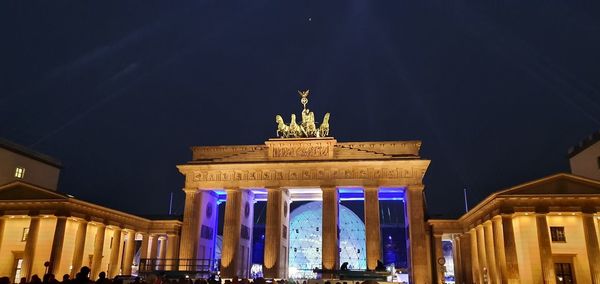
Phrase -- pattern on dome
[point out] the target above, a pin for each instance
(306, 241)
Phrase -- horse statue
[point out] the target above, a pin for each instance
(282, 128)
(294, 129)
(324, 127)
(309, 129)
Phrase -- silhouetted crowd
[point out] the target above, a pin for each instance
(82, 277)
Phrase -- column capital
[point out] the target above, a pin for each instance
(189, 190)
(99, 224)
(277, 189)
(371, 188)
(328, 187)
(116, 227)
(415, 187)
(81, 220)
(496, 217)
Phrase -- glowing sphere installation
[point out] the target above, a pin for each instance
(306, 241)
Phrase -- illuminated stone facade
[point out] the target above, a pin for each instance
(285, 170)
(39, 225)
(531, 233)
(526, 234)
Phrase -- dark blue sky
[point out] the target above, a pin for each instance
(496, 90)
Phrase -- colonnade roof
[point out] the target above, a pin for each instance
(21, 198)
(561, 192)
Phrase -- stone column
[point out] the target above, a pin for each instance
(57, 244)
(544, 243)
(372, 226)
(198, 233)
(153, 243)
(79, 246)
(490, 253)
(236, 255)
(129, 252)
(457, 259)
(207, 228)
(420, 272)
(98, 249)
(152, 251)
(2, 225)
(439, 254)
(113, 268)
(30, 246)
(476, 269)
(593, 249)
(510, 251)
(276, 233)
(162, 253)
(499, 253)
(191, 225)
(144, 253)
(466, 263)
(481, 255)
(330, 245)
(172, 251)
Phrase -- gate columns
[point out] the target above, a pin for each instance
(277, 234)
(236, 257)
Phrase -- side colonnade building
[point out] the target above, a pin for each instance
(543, 231)
(43, 230)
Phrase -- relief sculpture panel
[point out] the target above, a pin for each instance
(290, 149)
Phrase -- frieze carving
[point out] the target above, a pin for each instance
(302, 151)
(305, 174)
(294, 149)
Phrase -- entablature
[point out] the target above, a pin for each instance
(300, 174)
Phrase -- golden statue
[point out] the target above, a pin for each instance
(282, 128)
(324, 127)
(307, 127)
(304, 97)
(308, 124)
(294, 131)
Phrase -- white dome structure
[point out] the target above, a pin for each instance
(306, 241)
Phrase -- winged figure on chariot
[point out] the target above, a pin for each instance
(307, 127)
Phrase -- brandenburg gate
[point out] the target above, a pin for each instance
(304, 163)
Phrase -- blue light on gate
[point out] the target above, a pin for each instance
(345, 194)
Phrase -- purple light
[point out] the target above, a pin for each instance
(390, 238)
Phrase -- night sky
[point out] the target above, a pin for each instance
(118, 91)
